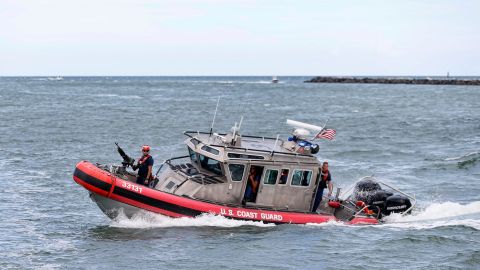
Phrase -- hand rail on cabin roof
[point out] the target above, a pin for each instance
(186, 133)
(247, 149)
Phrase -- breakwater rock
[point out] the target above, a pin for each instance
(385, 80)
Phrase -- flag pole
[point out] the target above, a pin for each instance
(324, 125)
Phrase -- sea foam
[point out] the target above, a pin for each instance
(146, 219)
(439, 215)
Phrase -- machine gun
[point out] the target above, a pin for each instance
(127, 161)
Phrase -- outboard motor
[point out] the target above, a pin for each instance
(396, 204)
(377, 200)
(371, 193)
(367, 185)
(365, 189)
(381, 202)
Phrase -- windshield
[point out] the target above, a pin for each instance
(210, 164)
(193, 156)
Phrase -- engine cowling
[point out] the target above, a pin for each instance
(396, 204)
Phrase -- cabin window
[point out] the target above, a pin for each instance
(301, 178)
(283, 177)
(210, 150)
(193, 155)
(236, 171)
(210, 164)
(270, 177)
(243, 156)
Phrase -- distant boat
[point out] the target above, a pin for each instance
(274, 79)
(58, 78)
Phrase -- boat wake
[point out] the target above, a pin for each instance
(146, 220)
(447, 214)
(439, 215)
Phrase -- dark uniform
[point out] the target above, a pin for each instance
(142, 166)
(324, 178)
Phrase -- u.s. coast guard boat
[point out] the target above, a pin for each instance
(213, 178)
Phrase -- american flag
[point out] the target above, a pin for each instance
(328, 134)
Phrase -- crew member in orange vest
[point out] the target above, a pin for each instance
(325, 180)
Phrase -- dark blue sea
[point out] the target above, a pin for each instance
(424, 139)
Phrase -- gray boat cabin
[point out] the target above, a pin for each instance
(218, 166)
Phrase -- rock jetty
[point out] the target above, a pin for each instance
(385, 80)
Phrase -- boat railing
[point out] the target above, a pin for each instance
(355, 210)
(363, 210)
(412, 197)
(270, 152)
(188, 132)
(169, 163)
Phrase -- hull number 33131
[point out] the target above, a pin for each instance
(131, 187)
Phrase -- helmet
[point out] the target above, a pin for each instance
(146, 148)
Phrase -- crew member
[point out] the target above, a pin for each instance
(252, 185)
(144, 166)
(325, 180)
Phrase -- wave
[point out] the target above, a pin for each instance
(117, 96)
(467, 160)
(470, 223)
(146, 219)
(106, 95)
(234, 82)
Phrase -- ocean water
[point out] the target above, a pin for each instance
(423, 139)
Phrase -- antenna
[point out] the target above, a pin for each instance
(275, 145)
(213, 122)
(324, 125)
(234, 132)
(241, 120)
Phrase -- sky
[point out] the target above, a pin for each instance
(239, 38)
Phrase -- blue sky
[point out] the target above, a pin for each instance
(186, 37)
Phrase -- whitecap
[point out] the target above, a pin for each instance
(466, 156)
(106, 95)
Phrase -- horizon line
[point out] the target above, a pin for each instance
(59, 75)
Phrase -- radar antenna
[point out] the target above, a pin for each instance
(302, 130)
